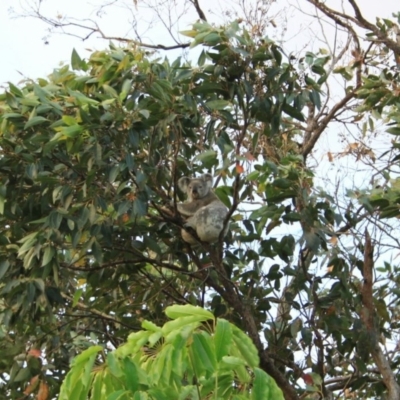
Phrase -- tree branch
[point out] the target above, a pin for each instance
(229, 294)
(360, 21)
(321, 125)
(199, 10)
(368, 319)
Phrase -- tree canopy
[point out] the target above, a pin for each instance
(90, 236)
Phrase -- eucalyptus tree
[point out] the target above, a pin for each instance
(90, 234)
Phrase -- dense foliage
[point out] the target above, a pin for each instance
(91, 246)
(194, 356)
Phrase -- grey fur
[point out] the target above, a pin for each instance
(205, 210)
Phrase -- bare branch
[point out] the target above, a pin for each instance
(360, 21)
(199, 10)
(319, 126)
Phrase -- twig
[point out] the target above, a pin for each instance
(199, 10)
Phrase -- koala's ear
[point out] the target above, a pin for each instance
(183, 183)
(208, 179)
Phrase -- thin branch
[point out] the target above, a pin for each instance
(307, 147)
(199, 10)
(94, 311)
(230, 294)
(96, 29)
(360, 21)
(368, 316)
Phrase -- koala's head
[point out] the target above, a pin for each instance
(196, 188)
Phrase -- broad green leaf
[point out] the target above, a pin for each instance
(261, 390)
(97, 386)
(150, 326)
(177, 311)
(115, 366)
(131, 375)
(222, 338)
(87, 356)
(245, 346)
(179, 323)
(233, 361)
(264, 387)
(203, 348)
(77, 382)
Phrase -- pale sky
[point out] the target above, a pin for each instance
(25, 54)
(23, 48)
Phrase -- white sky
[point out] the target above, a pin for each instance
(23, 48)
(24, 53)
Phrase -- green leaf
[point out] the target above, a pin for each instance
(222, 338)
(150, 326)
(131, 375)
(187, 310)
(190, 322)
(315, 99)
(48, 255)
(264, 387)
(204, 350)
(2, 204)
(69, 131)
(211, 39)
(293, 112)
(14, 90)
(208, 158)
(97, 387)
(245, 346)
(35, 121)
(4, 266)
(126, 88)
(394, 131)
(277, 54)
(145, 113)
(68, 120)
(218, 104)
(87, 355)
(76, 61)
(76, 297)
(140, 396)
(114, 171)
(233, 361)
(189, 33)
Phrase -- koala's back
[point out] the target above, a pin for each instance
(210, 220)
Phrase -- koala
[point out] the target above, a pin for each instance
(205, 212)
